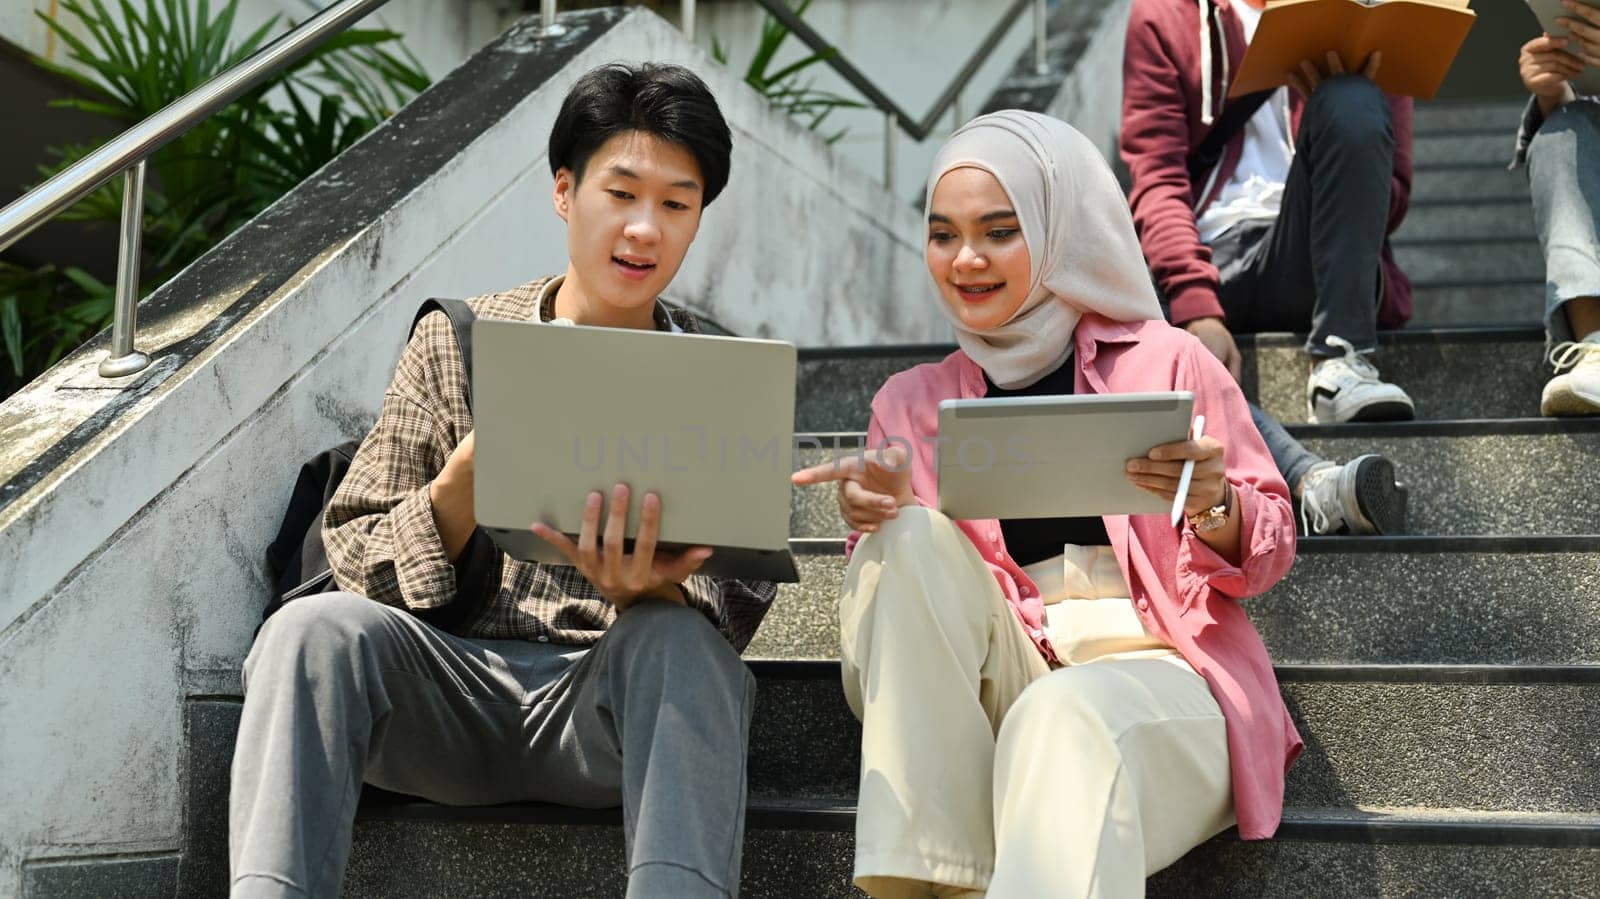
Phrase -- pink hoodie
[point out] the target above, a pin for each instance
(1184, 591)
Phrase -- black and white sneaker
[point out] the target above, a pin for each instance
(1347, 388)
(1358, 497)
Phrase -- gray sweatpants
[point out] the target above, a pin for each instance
(1564, 176)
(655, 717)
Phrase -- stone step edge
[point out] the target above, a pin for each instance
(1420, 428)
(767, 670)
(1530, 544)
(1530, 331)
(1368, 826)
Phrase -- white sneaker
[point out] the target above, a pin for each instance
(1577, 392)
(1346, 388)
(1358, 497)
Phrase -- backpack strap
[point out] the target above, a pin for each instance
(1232, 121)
(461, 318)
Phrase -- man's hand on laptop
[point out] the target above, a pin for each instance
(872, 485)
(625, 578)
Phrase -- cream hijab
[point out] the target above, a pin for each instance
(1083, 252)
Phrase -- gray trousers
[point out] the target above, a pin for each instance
(1564, 178)
(340, 689)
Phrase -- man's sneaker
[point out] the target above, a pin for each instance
(1346, 388)
(1358, 497)
(1577, 392)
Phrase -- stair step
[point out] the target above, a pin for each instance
(421, 851)
(1464, 477)
(1448, 262)
(1487, 220)
(1463, 148)
(1501, 118)
(1395, 852)
(1449, 373)
(1347, 600)
(1459, 305)
(1497, 738)
(1471, 183)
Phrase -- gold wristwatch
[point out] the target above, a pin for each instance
(1216, 516)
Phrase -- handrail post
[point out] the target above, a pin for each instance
(688, 19)
(124, 360)
(1041, 64)
(548, 27)
(888, 150)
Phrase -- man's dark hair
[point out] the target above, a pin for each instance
(666, 101)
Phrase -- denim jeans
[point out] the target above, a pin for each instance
(1290, 455)
(1564, 177)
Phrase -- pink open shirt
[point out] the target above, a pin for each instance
(1184, 591)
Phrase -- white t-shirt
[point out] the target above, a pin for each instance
(1255, 191)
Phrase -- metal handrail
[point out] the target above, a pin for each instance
(126, 153)
(917, 129)
(894, 114)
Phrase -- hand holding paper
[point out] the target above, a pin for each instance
(1416, 40)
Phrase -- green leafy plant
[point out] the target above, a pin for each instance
(213, 178)
(786, 88)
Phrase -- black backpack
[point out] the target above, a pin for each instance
(296, 559)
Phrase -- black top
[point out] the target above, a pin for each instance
(1030, 540)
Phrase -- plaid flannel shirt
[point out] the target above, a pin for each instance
(379, 529)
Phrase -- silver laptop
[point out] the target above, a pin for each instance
(1053, 456)
(706, 422)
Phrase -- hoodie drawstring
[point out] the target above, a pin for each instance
(1205, 62)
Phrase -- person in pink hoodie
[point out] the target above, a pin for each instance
(1055, 707)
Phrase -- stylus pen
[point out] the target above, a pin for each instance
(1188, 472)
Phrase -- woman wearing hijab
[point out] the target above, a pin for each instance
(1055, 707)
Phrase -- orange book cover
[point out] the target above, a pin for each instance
(1419, 40)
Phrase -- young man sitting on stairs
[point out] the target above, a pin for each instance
(1560, 142)
(616, 681)
(1273, 217)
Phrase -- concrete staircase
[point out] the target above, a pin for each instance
(1447, 684)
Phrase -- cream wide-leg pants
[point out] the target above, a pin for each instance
(984, 769)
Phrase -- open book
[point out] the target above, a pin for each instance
(1550, 10)
(1418, 39)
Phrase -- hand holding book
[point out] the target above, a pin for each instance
(1306, 81)
(1417, 41)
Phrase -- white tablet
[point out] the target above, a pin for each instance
(1053, 456)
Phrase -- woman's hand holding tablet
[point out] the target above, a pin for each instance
(1160, 472)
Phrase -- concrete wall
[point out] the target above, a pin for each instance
(134, 517)
(1084, 98)
(911, 49)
